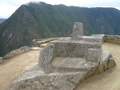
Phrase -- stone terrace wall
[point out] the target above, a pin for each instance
(112, 39)
(17, 52)
(109, 38)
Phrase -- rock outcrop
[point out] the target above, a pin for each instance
(66, 62)
(17, 52)
(1, 60)
(112, 39)
(109, 38)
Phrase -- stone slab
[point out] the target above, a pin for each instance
(73, 64)
(36, 79)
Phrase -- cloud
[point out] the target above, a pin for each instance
(7, 7)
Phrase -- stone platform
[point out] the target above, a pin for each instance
(36, 79)
(66, 62)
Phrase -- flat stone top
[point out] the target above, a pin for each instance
(84, 40)
(76, 42)
(72, 63)
(92, 37)
(36, 71)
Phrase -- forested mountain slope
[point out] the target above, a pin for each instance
(2, 20)
(41, 20)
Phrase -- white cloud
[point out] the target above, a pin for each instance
(6, 10)
(7, 7)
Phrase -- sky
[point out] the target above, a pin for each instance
(8, 7)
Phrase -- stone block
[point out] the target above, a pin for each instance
(94, 55)
(46, 58)
(69, 49)
(36, 79)
(77, 31)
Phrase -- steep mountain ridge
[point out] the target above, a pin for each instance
(41, 20)
(2, 20)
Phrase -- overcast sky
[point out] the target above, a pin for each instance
(8, 7)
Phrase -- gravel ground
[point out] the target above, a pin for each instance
(110, 79)
(12, 68)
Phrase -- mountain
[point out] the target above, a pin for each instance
(2, 20)
(41, 20)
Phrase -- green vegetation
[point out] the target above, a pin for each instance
(41, 20)
(2, 20)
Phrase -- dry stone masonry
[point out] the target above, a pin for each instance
(17, 52)
(75, 52)
(66, 62)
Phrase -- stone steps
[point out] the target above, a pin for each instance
(72, 64)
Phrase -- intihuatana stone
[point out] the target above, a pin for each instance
(66, 62)
(74, 51)
(77, 30)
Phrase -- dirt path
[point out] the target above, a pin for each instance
(109, 80)
(13, 67)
